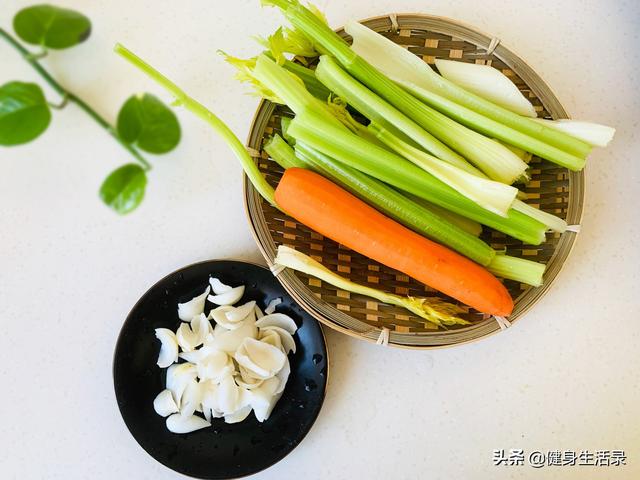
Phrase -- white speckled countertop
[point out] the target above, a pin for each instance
(565, 377)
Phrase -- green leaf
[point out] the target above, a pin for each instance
(123, 189)
(149, 123)
(51, 26)
(24, 113)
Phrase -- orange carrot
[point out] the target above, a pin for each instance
(340, 216)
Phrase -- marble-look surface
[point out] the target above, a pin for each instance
(565, 377)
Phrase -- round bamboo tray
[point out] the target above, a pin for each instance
(552, 188)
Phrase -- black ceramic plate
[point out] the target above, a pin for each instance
(221, 451)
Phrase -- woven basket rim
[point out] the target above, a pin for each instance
(575, 207)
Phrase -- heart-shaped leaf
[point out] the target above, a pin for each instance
(24, 113)
(149, 123)
(123, 189)
(51, 26)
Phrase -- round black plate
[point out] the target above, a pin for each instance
(221, 451)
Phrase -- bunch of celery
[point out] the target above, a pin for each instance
(438, 153)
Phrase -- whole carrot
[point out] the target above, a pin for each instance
(336, 214)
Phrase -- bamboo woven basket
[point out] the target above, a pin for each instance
(552, 188)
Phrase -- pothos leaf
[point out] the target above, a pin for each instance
(51, 26)
(149, 123)
(24, 113)
(123, 189)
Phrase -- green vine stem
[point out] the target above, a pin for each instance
(71, 97)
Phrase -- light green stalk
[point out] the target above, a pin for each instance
(433, 310)
(249, 166)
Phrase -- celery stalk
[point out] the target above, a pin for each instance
(381, 112)
(346, 147)
(592, 133)
(402, 65)
(287, 87)
(282, 153)
(518, 269)
(433, 310)
(494, 196)
(551, 221)
(396, 205)
(466, 224)
(495, 129)
(249, 166)
(308, 76)
(474, 147)
(486, 82)
(524, 155)
(497, 161)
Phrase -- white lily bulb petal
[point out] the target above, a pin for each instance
(250, 385)
(164, 404)
(283, 376)
(191, 357)
(195, 306)
(271, 308)
(218, 287)
(228, 298)
(209, 398)
(228, 395)
(240, 313)
(271, 337)
(278, 320)
(288, 343)
(230, 340)
(176, 423)
(215, 366)
(220, 316)
(264, 398)
(191, 398)
(246, 380)
(201, 327)
(239, 415)
(187, 338)
(259, 313)
(168, 348)
(178, 377)
(260, 358)
(196, 356)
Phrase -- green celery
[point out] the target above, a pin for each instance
(282, 153)
(287, 87)
(346, 147)
(494, 196)
(495, 129)
(400, 64)
(397, 206)
(518, 269)
(308, 76)
(470, 226)
(381, 112)
(549, 220)
(483, 151)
